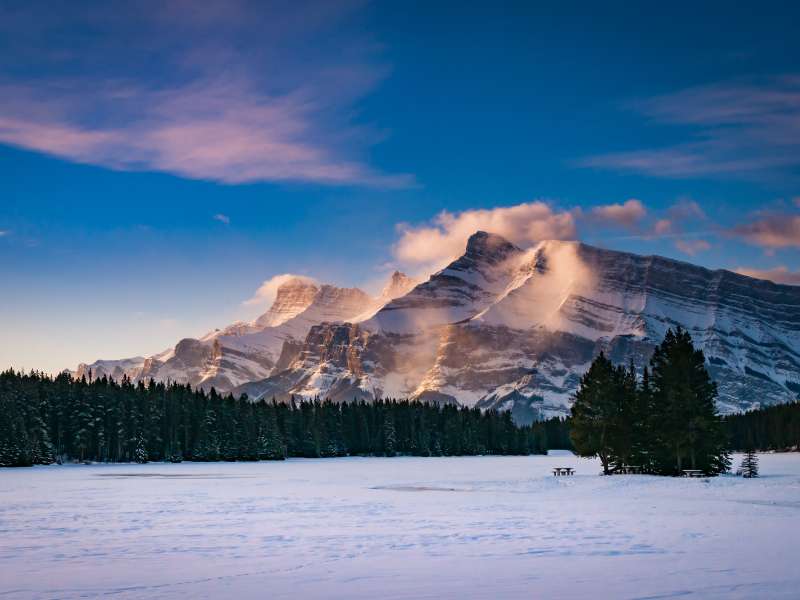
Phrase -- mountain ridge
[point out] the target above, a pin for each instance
(496, 352)
(246, 351)
(507, 328)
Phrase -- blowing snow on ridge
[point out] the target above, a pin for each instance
(499, 327)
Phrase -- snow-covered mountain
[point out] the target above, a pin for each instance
(114, 369)
(499, 327)
(457, 292)
(244, 352)
(502, 327)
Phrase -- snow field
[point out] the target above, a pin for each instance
(467, 527)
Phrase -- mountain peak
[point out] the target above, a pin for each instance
(398, 275)
(458, 292)
(485, 244)
(399, 284)
(341, 297)
(296, 282)
(293, 296)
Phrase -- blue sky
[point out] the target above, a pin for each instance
(161, 160)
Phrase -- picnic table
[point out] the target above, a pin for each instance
(559, 471)
(692, 473)
(628, 470)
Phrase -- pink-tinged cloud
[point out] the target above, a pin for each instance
(223, 132)
(662, 227)
(692, 247)
(772, 231)
(431, 246)
(779, 274)
(281, 110)
(736, 131)
(627, 214)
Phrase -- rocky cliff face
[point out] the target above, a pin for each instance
(511, 329)
(292, 298)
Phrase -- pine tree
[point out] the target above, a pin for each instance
(422, 434)
(82, 421)
(750, 464)
(688, 429)
(309, 436)
(389, 435)
(13, 436)
(593, 411)
(452, 431)
(140, 452)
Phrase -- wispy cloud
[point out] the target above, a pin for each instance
(734, 130)
(770, 230)
(430, 246)
(779, 274)
(4, 232)
(628, 214)
(233, 91)
(225, 219)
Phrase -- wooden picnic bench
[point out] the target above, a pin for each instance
(692, 473)
(628, 470)
(560, 471)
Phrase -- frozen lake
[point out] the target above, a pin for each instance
(472, 527)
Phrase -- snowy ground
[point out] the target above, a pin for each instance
(477, 527)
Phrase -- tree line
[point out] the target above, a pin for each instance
(663, 422)
(771, 428)
(45, 419)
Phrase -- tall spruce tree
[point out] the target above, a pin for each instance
(687, 433)
(594, 412)
(389, 434)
